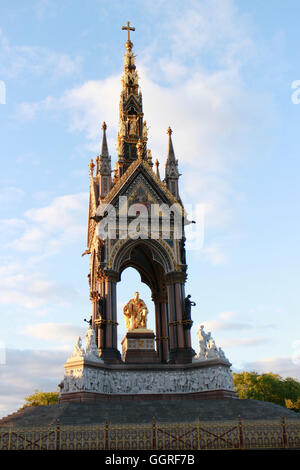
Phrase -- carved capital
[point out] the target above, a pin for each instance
(160, 297)
(112, 276)
(95, 296)
(175, 276)
(101, 274)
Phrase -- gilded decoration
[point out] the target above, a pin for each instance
(135, 312)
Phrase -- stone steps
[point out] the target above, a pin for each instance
(145, 411)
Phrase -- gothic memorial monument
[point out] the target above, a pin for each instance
(138, 220)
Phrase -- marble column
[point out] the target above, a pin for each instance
(109, 338)
(180, 342)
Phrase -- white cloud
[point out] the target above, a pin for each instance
(225, 322)
(25, 371)
(21, 287)
(49, 228)
(214, 253)
(283, 366)
(16, 60)
(60, 332)
(27, 242)
(233, 342)
(211, 25)
(226, 315)
(10, 195)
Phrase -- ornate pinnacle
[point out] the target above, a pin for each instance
(140, 149)
(97, 163)
(171, 154)
(91, 167)
(157, 168)
(104, 148)
(149, 157)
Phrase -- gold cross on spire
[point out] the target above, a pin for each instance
(128, 28)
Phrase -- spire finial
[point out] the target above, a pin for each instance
(169, 131)
(104, 126)
(128, 28)
(91, 167)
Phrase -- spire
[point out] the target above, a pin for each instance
(104, 148)
(171, 169)
(171, 163)
(104, 160)
(132, 126)
(104, 166)
(171, 154)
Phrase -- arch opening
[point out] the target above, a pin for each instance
(130, 282)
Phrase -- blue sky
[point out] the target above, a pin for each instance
(220, 73)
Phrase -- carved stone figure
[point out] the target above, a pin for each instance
(78, 351)
(222, 354)
(207, 347)
(182, 251)
(133, 126)
(203, 339)
(188, 304)
(91, 348)
(135, 312)
(145, 130)
(212, 350)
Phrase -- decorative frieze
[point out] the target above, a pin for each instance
(108, 381)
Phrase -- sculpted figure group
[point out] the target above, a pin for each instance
(207, 346)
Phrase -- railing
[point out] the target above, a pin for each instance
(272, 434)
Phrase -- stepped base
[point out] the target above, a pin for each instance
(167, 411)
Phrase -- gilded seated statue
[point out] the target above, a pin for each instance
(135, 312)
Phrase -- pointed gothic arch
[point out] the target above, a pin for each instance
(158, 250)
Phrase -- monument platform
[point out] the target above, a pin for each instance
(88, 378)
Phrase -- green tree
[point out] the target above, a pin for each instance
(293, 404)
(268, 387)
(41, 399)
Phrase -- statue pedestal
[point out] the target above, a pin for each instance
(138, 347)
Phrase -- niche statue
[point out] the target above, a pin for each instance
(135, 312)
